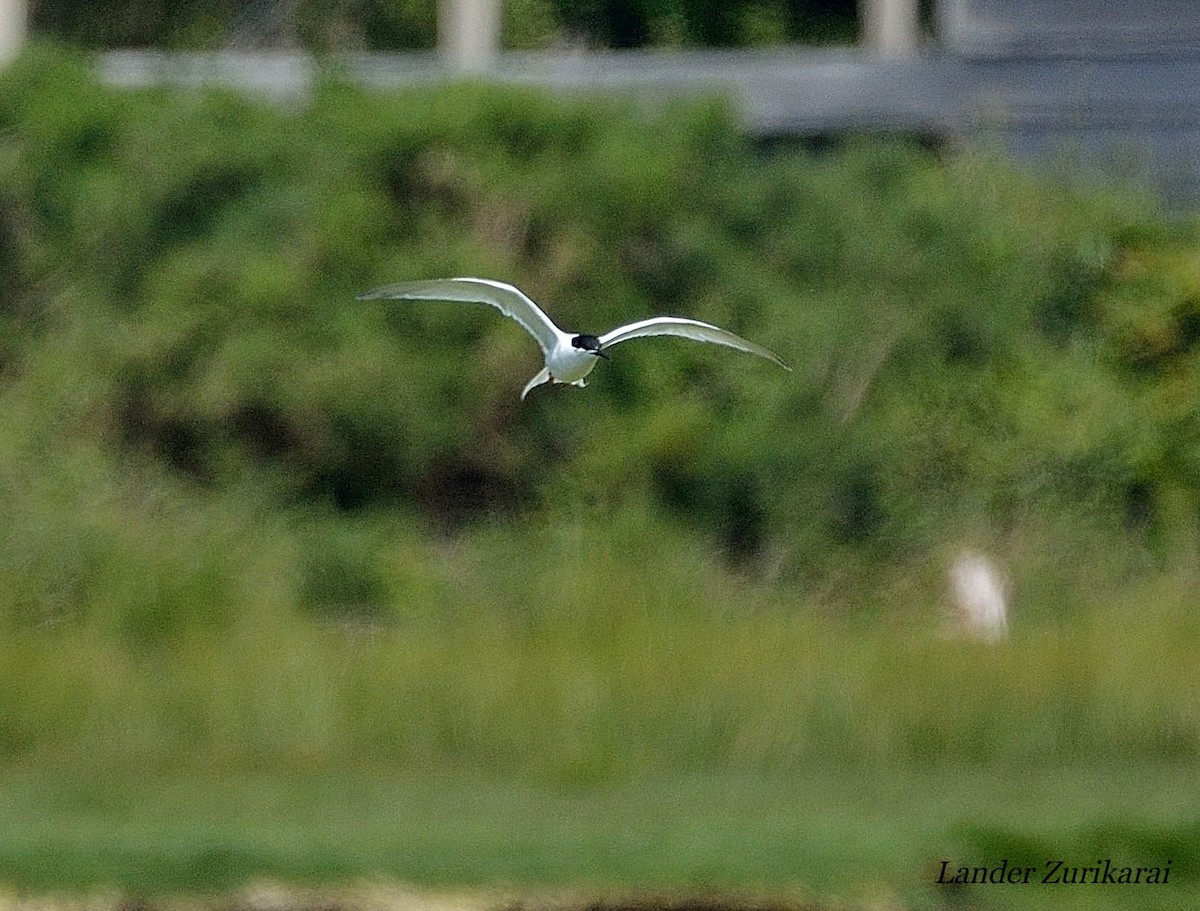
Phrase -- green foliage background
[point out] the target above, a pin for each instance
(251, 521)
(409, 24)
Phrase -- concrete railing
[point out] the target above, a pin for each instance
(13, 26)
(1108, 100)
(469, 30)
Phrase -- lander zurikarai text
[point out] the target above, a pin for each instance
(1104, 872)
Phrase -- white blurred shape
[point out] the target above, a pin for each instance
(13, 25)
(469, 33)
(890, 28)
(981, 611)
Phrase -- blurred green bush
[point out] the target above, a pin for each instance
(976, 353)
(201, 431)
(974, 350)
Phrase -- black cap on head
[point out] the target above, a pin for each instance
(589, 343)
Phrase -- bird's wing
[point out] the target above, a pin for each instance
(686, 328)
(504, 297)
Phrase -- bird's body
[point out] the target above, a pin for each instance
(570, 357)
(568, 364)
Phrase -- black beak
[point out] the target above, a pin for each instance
(599, 353)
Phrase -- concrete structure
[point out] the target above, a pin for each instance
(890, 28)
(13, 25)
(1068, 28)
(469, 34)
(1111, 89)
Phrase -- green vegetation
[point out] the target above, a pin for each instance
(870, 841)
(259, 531)
(339, 25)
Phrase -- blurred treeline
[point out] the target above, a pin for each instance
(408, 24)
(209, 450)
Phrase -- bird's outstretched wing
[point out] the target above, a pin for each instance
(504, 297)
(686, 328)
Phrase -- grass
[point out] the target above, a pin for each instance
(612, 666)
(855, 837)
(620, 724)
(641, 728)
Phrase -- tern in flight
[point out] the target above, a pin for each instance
(569, 356)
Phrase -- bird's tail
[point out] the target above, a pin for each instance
(542, 376)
